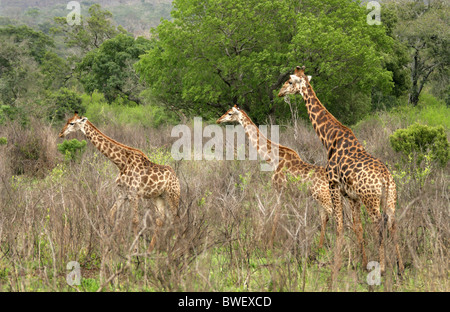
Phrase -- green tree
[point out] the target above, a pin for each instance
(396, 62)
(28, 67)
(217, 53)
(37, 42)
(109, 69)
(90, 34)
(425, 28)
(56, 71)
(20, 77)
(344, 55)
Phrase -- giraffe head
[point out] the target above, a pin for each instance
(73, 124)
(231, 115)
(297, 83)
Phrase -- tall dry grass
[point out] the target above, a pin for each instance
(59, 213)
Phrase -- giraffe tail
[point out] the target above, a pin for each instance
(384, 200)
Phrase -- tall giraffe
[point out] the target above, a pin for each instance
(288, 161)
(351, 170)
(138, 176)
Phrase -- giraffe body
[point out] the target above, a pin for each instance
(138, 176)
(351, 170)
(286, 162)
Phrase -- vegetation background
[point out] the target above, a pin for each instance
(137, 68)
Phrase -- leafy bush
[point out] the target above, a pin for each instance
(3, 113)
(3, 141)
(123, 112)
(160, 156)
(8, 112)
(72, 149)
(422, 141)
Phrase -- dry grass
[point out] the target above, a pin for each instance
(57, 212)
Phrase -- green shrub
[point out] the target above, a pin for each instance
(422, 141)
(3, 141)
(3, 114)
(72, 149)
(160, 156)
(124, 112)
(8, 112)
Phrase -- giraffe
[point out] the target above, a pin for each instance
(138, 176)
(351, 170)
(288, 162)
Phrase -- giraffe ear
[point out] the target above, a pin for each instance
(309, 78)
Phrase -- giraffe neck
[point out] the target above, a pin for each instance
(326, 126)
(113, 150)
(261, 143)
(265, 147)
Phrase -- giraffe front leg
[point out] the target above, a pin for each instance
(390, 211)
(135, 204)
(393, 232)
(337, 209)
(278, 181)
(160, 207)
(380, 230)
(112, 213)
(358, 229)
(117, 205)
(173, 201)
(372, 204)
(326, 210)
(324, 219)
(338, 215)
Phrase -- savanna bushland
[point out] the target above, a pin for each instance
(136, 76)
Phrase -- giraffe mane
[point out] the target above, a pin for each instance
(117, 143)
(334, 119)
(280, 147)
(300, 72)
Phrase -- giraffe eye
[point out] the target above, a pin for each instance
(290, 82)
(71, 123)
(229, 114)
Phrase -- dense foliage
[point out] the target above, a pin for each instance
(212, 54)
(420, 141)
(217, 53)
(109, 70)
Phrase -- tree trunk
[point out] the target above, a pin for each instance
(413, 94)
